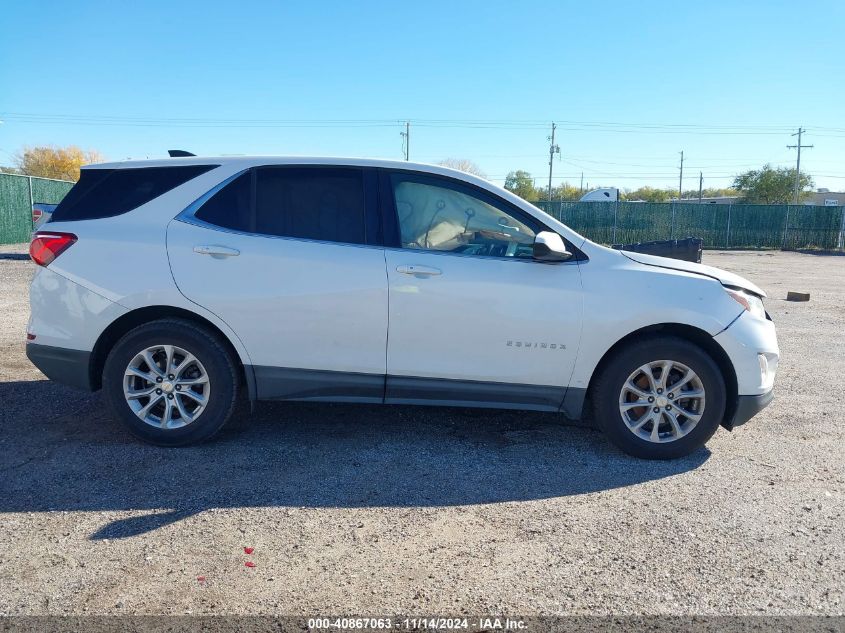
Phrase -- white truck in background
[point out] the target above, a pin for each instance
(605, 194)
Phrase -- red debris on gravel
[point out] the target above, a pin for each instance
(249, 563)
(249, 550)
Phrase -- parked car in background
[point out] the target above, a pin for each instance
(174, 284)
(41, 213)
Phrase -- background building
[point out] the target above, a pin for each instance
(826, 198)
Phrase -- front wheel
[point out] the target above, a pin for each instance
(171, 382)
(660, 398)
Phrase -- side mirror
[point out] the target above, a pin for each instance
(549, 247)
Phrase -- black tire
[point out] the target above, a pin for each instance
(208, 350)
(608, 388)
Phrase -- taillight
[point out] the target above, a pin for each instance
(36, 216)
(47, 246)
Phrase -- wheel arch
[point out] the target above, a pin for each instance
(126, 322)
(573, 405)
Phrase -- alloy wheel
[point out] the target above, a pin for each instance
(662, 401)
(166, 386)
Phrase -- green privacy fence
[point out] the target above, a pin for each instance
(719, 225)
(17, 193)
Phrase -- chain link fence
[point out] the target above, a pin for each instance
(17, 193)
(790, 227)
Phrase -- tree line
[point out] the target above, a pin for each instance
(61, 163)
(767, 185)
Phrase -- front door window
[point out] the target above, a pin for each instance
(437, 215)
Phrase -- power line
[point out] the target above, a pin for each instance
(669, 178)
(660, 165)
(503, 124)
(699, 162)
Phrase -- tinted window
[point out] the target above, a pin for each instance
(104, 193)
(229, 207)
(312, 203)
(436, 214)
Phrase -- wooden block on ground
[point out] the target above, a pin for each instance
(797, 296)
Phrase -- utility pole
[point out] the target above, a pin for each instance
(582, 182)
(797, 181)
(406, 136)
(700, 185)
(798, 163)
(681, 180)
(553, 149)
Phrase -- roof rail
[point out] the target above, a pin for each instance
(179, 153)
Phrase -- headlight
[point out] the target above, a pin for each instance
(750, 302)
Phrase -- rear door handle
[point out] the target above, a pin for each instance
(216, 251)
(422, 271)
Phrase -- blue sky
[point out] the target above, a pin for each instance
(336, 78)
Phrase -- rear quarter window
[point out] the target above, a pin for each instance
(230, 207)
(105, 193)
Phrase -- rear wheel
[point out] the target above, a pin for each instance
(171, 382)
(660, 398)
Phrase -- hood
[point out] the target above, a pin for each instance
(722, 276)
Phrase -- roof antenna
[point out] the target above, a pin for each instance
(179, 153)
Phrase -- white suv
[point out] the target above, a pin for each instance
(175, 284)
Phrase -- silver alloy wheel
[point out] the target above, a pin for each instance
(166, 386)
(662, 401)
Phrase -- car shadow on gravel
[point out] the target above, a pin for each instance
(61, 451)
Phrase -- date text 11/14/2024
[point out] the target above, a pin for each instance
(483, 623)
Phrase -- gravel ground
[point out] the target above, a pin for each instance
(401, 510)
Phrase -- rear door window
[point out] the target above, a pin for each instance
(318, 203)
(105, 193)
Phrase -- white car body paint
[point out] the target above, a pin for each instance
(723, 276)
(663, 295)
(498, 320)
(296, 303)
(312, 305)
(743, 341)
(67, 314)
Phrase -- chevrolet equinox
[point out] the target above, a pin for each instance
(174, 285)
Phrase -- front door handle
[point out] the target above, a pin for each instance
(421, 271)
(216, 251)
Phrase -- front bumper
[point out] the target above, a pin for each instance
(69, 367)
(752, 347)
(747, 407)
